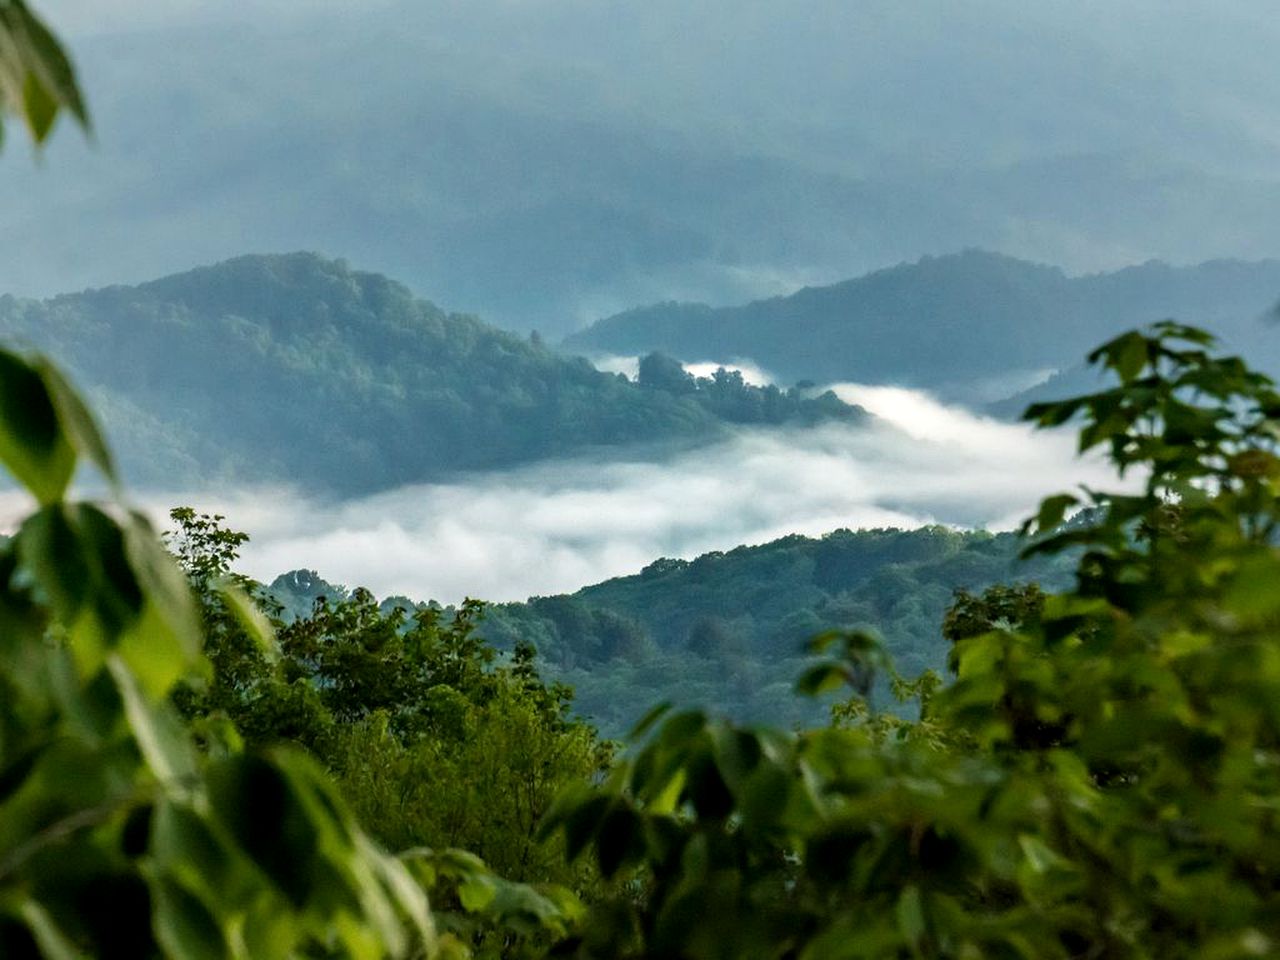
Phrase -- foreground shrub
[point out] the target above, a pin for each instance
(1100, 779)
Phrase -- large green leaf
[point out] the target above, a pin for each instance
(81, 429)
(33, 444)
(36, 77)
(53, 942)
(184, 924)
(160, 736)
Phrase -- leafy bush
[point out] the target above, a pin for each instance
(117, 836)
(1100, 779)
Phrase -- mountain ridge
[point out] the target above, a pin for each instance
(298, 368)
(728, 628)
(947, 319)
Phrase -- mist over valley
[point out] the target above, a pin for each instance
(355, 429)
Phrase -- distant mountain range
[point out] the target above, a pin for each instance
(298, 368)
(301, 369)
(957, 324)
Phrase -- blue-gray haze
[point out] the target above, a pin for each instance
(544, 162)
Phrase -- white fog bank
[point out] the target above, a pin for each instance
(752, 373)
(555, 527)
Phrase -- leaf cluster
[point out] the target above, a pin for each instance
(118, 837)
(431, 738)
(37, 80)
(727, 631)
(1098, 779)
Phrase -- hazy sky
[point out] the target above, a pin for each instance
(546, 161)
(856, 87)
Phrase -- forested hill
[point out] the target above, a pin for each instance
(728, 629)
(953, 319)
(299, 368)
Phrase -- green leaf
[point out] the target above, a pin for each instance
(565, 804)
(821, 679)
(737, 753)
(764, 795)
(1254, 591)
(256, 803)
(1038, 854)
(55, 562)
(652, 716)
(1127, 354)
(620, 839)
(184, 842)
(39, 106)
(117, 596)
(170, 606)
(710, 795)
(663, 799)
(1054, 414)
(821, 642)
(33, 445)
(910, 915)
(184, 925)
(155, 654)
(406, 894)
(477, 893)
(158, 731)
(53, 943)
(830, 852)
(36, 77)
(458, 863)
(1053, 509)
(582, 823)
(682, 727)
(78, 423)
(251, 619)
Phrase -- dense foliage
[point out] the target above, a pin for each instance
(117, 836)
(433, 738)
(1100, 779)
(950, 321)
(299, 368)
(727, 630)
(126, 833)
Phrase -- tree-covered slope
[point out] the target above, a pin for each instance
(728, 629)
(952, 320)
(299, 368)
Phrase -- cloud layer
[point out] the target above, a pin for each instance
(558, 526)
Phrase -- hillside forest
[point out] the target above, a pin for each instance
(726, 631)
(218, 374)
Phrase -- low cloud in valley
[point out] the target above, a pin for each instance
(557, 526)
